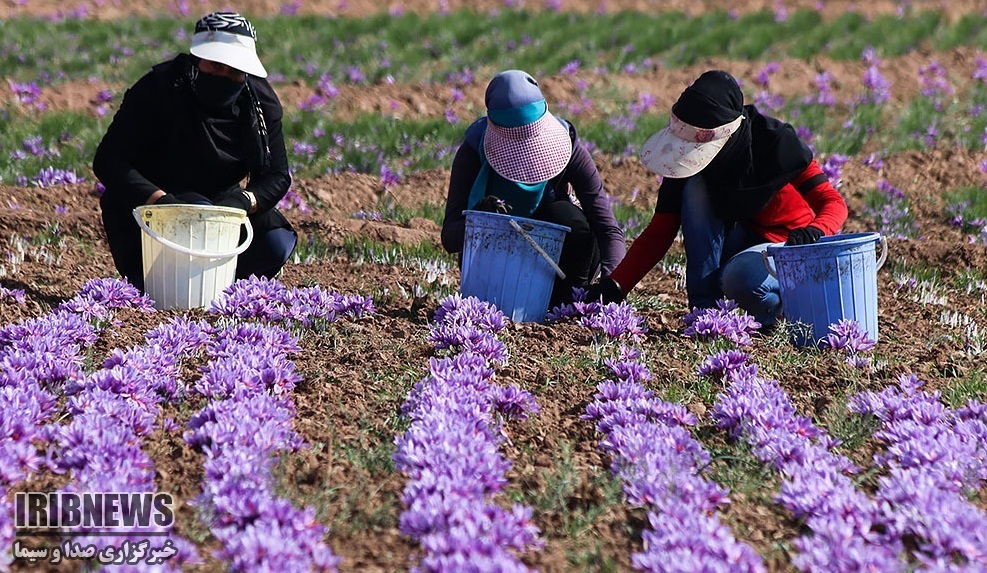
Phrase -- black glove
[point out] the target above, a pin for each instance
(492, 204)
(233, 197)
(803, 236)
(193, 199)
(607, 291)
(183, 199)
(168, 199)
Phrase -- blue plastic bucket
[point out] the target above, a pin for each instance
(832, 279)
(502, 267)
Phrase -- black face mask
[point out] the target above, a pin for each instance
(216, 93)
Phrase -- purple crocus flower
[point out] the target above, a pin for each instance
(49, 176)
(848, 336)
(934, 457)
(249, 379)
(726, 320)
(816, 487)
(450, 449)
(16, 294)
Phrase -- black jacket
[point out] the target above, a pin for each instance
(160, 139)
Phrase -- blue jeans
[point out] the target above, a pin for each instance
(723, 259)
(268, 252)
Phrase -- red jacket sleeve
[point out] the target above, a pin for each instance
(647, 250)
(827, 203)
(808, 199)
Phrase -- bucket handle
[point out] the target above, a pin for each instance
(884, 252)
(538, 248)
(767, 265)
(880, 260)
(191, 252)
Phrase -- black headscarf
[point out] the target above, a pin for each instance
(759, 158)
(242, 117)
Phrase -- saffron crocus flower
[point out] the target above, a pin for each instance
(816, 487)
(356, 75)
(823, 94)
(722, 363)
(848, 336)
(248, 421)
(892, 214)
(113, 410)
(450, 450)
(49, 176)
(934, 456)
(876, 85)
(726, 320)
(16, 294)
(326, 88)
(270, 301)
(616, 320)
(832, 166)
(659, 464)
(98, 297)
(28, 94)
(389, 178)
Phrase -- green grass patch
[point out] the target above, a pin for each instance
(922, 272)
(64, 140)
(633, 220)
(318, 143)
(958, 391)
(889, 34)
(851, 429)
(364, 250)
(434, 46)
(971, 280)
(734, 466)
(888, 207)
(970, 202)
(401, 214)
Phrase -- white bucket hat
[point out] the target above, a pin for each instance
(228, 38)
(681, 150)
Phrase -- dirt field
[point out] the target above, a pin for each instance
(356, 376)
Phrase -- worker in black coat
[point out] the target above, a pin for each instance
(192, 130)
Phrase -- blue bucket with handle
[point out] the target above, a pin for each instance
(824, 282)
(511, 262)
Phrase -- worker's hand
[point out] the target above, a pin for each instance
(605, 291)
(493, 204)
(803, 236)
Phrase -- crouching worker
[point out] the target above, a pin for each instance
(521, 159)
(190, 131)
(735, 181)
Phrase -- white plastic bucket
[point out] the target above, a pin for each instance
(190, 252)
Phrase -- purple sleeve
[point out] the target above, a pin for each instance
(587, 184)
(465, 168)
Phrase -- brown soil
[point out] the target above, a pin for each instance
(356, 375)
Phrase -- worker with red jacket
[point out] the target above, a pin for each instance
(735, 181)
